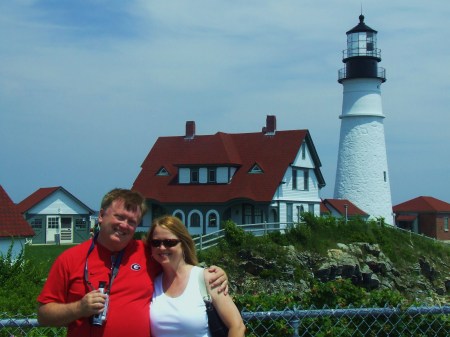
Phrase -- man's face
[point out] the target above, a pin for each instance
(117, 225)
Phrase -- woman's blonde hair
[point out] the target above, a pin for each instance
(176, 227)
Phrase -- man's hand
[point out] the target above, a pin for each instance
(61, 314)
(92, 303)
(218, 280)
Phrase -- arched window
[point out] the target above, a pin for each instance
(195, 219)
(212, 219)
(180, 215)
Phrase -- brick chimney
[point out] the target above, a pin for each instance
(190, 130)
(271, 125)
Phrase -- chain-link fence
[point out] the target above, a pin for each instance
(350, 322)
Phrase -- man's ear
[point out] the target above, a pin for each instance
(100, 216)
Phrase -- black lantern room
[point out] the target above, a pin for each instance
(362, 55)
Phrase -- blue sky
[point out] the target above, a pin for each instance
(86, 87)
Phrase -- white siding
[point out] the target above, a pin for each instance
(307, 162)
(58, 203)
(288, 194)
(5, 244)
(285, 194)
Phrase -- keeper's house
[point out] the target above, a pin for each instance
(14, 230)
(268, 176)
(56, 216)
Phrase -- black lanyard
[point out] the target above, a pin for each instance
(114, 268)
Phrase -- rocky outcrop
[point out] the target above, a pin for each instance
(363, 263)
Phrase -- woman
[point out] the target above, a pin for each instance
(177, 307)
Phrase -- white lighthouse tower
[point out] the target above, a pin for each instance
(362, 171)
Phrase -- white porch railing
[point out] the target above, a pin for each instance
(257, 229)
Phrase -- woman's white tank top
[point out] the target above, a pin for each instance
(184, 315)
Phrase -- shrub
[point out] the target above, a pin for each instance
(234, 235)
(20, 282)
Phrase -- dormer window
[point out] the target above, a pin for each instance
(205, 174)
(162, 172)
(212, 173)
(255, 169)
(194, 176)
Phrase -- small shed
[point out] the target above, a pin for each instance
(56, 216)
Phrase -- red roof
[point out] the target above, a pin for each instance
(272, 153)
(35, 198)
(339, 206)
(423, 205)
(43, 193)
(12, 222)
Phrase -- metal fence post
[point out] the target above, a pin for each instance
(295, 323)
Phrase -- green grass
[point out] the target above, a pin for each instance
(44, 254)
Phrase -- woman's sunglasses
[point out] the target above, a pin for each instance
(167, 243)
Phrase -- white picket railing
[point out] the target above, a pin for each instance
(258, 229)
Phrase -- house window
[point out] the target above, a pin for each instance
(289, 213)
(52, 222)
(306, 180)
(194, 175)
(258, 215)
(299, 213)
(195, 220)
(211, 175)
(300, 179)
(303, 150)
(446, 224)
(311, 208)
(252, 214)
(384, 176)
(162, 172)
(248, 214)
(212, 220)
(36, 223)
(294, 179)
(180, 215)
(80, 223)
(255, 169)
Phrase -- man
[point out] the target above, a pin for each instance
(70, 296)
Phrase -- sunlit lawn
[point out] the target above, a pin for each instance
(44, 254)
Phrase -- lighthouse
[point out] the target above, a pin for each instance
(362, 174)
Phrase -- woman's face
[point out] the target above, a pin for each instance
(166, 247)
